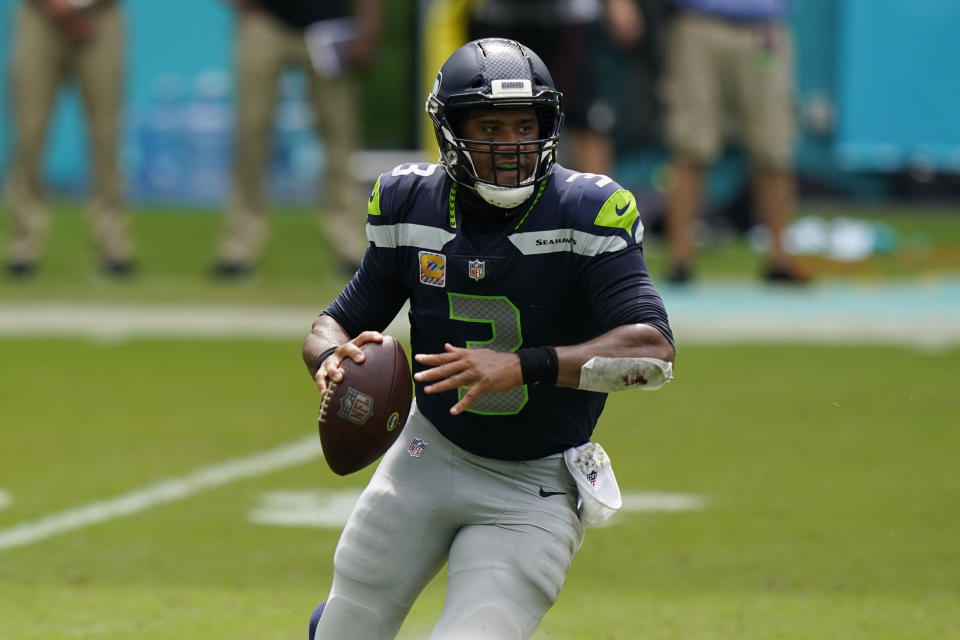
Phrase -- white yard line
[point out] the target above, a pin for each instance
(165, 320)
(163, 492)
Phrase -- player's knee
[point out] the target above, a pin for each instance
(368, 551)
(315, 619)
(555, 559)
(547, 570)
(536, 578)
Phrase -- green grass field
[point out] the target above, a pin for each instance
(828, 474)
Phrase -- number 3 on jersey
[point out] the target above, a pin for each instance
(504, 320)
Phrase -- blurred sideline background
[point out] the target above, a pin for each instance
(875, 99)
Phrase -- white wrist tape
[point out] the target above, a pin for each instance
(618, 374)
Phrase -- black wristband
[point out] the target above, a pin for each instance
(538, 365)
(323, 356)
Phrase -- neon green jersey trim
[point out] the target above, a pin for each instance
(619, 211)
(373, 205)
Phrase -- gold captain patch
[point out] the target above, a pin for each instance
(433, 269)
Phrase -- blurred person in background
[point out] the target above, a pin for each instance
(331, 40)
(570, 36)
(730, 58)
(57, 41)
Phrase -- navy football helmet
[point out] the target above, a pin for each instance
(494, 73)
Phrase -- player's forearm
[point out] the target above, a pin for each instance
(628, 341)
(325, 334)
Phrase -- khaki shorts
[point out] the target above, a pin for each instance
(725, 78)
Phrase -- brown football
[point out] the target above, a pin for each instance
(364, 413)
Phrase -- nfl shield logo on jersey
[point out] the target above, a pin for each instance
(477, 269)
(416, 448)
(356, 406)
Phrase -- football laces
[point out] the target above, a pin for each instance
(325, 400)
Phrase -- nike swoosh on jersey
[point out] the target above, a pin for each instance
(547, 494)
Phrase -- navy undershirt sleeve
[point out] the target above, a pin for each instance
(620, 291)
(373, 297)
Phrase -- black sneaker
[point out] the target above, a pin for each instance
(118, 268)
(785, 275)
(21, 270)
(229, 270)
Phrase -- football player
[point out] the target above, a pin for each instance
(529, 302)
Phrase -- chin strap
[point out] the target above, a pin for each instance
(504, 197)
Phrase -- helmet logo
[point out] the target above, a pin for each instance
(451, 157)
(516, 88)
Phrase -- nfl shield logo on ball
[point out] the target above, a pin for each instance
(476, 269)
(416, 448)
(356, 406)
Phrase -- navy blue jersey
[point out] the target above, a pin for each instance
(567, 268)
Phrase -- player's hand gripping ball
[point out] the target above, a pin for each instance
(364, 413)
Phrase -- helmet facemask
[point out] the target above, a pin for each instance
(489, 75)
(502, 173)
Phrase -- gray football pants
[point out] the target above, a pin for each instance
(508, 549)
